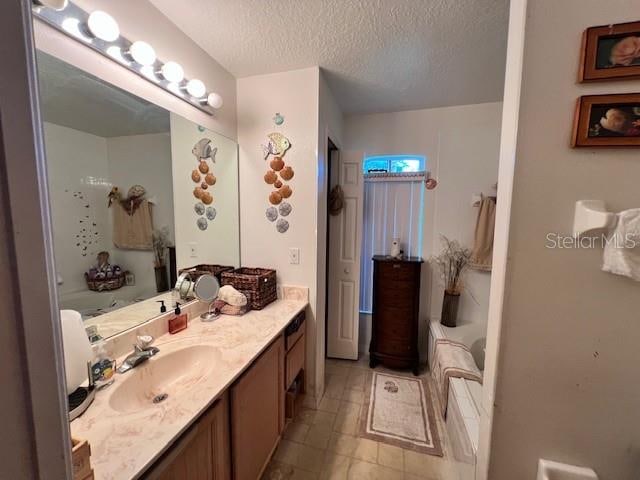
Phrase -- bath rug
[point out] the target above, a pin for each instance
(399, 411)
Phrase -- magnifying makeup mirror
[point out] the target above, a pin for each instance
(206, 289)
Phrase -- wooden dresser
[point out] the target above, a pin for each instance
(396, 303)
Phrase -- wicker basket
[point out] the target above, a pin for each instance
(105, 284)
(259, 284)
(198, 270)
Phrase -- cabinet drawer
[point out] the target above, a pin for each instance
(290, 340)
(398, 271)
(396, 347)
(394, 324)
(400, 296)
(294, 361)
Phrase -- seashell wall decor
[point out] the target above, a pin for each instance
(204, 179)
(277, 177)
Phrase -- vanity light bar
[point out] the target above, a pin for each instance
(100, 32)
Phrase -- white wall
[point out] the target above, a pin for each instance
(220, 242)
(140, 20)
(566, 386)
(143, 160)
(295, 95)
(461, 145)
(77, 161)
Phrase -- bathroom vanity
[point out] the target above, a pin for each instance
(224, 411)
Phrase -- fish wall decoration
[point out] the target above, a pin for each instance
(277, 176)
(277, 144)
(204, 178)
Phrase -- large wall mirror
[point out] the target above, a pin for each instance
(137, 194)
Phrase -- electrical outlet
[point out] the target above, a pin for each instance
(294, 256)
(193, 250)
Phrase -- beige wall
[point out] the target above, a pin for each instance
(295, 95)
(461, 145)
(140, 20)
(566, 386)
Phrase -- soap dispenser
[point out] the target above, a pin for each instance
(178, 322)
(163, 307)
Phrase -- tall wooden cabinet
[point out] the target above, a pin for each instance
(395, 320)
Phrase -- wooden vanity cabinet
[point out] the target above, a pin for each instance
(257, 413)
(202, 453)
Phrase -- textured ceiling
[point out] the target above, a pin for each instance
(73, 98)
(378, 55)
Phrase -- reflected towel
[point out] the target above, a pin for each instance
(452, 360)
(133, 231)
(482, 253)
(622, 249)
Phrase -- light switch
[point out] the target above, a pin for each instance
(193, 250)
(294, 256)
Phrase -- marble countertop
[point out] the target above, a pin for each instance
(123, 445)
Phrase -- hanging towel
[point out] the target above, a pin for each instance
(452, 360)
(622, 248)
(482, 253)
(133, 231)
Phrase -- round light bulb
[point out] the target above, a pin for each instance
(196, 88)
(72, 26)
(103, 26)
(173, 72)
(214, 100)
(143, 53)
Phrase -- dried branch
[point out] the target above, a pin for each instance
(161, 243)
(452, 263)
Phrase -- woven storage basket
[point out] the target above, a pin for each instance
(259, 284)
(202, 269)
(104, 285)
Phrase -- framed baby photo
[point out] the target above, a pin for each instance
(607, 121)
(610, 52)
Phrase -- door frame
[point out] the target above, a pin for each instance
(344, 348)
(506, 168)
(32, 286)
(331, 147)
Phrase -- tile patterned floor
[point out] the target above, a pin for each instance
(323, 443)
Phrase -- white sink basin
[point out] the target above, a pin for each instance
(163, 377)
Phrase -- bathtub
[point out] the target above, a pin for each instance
(465, 396)
(91, 304)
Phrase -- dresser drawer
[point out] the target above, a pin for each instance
(394, 347)
(397, 271)
(294, 361)
(396, 324)
(395, 295)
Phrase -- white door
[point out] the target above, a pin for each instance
(345, 237)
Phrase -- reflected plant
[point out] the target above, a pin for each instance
(161, 243)
(452, 262)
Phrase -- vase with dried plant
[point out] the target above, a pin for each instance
(452, 262)
(161, 244)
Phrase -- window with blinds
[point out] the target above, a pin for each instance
(393, 208)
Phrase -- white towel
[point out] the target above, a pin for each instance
(452, 360)
(622, 248)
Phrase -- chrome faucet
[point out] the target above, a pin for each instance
(142, 351)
